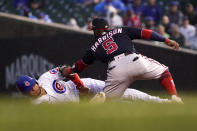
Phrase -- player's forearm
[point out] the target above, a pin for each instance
(79, 66)
(151, 35)
(79, 84)
(76, 80)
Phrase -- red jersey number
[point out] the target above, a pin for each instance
(110, 46)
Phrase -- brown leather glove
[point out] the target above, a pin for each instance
(65, 70)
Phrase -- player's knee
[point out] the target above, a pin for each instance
(166, 74)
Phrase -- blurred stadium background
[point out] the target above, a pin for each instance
(36, 35)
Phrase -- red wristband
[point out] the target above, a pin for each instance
(77, 81)
(146, 33)
(69, 70)
(167, 40)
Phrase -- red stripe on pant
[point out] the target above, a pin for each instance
(167, 82)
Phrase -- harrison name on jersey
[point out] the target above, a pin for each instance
(105, 37)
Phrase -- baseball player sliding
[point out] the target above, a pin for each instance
(125, 65)
(51, 88)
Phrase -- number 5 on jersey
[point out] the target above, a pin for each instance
(110, 46)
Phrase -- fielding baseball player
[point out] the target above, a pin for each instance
(125, 65)
(51, 88)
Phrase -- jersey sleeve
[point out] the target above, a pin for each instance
(133, 33)
(151, 35)
(95, 86)
(82, 64)
(88, 58)
(51, 75)
(42, 99)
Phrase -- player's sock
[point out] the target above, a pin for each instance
(167, 82)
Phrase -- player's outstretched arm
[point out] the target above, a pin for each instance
(67, 72)
(151, 35)
(78, 67)
(84, 91)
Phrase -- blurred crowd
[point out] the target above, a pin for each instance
(177, 22)
(26, 8)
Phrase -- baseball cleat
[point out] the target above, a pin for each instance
(98, 98)
(176, 99)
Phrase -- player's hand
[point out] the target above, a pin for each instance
(65, 70)
(84, 90)
(173, 44)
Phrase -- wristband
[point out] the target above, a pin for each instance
(167, 40)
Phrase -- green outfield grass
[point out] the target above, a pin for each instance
(21, 115)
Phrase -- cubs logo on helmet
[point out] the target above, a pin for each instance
(58, 87)
(27, 83)
(54, 71)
